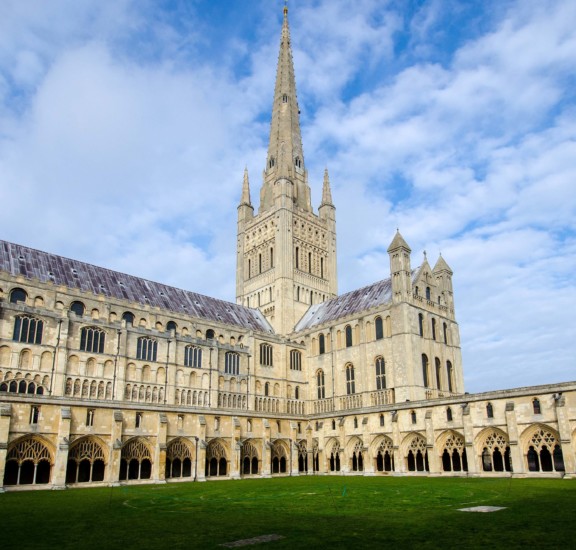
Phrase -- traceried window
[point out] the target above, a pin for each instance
(350, 380)
(322, 344)
(78, 308)
(295, 360)
(147, 349)
(193, 357)
(266, 358)
(92, 340)
(348, 331)
(379, 328)
(380, 374)
(320, 384)
(18, 295)
(231, 363)
(28, 329)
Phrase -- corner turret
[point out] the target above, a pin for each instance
(400, 270)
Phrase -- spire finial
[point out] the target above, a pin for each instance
(245, 199)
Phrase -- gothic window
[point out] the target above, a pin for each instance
(18, 295)
(496, 453)
(128, 317)
(449, 414)
(350, 380)
(78, 308)
(22, 386)
(425, 377)
(320, 384)
(333, 424)
(34, 414)
(427, 293)
(90, 417)
(271, 258)
(380, 374)
(138, 420)
(146, 349)
(381, 420)
(309, 262)
(249, 459)
(417, 457)
(335, 457)
(296, 392)
(545, 453)
(136, 460)
(421, 324)
(298, 162)
(321, 268)
(450, 375)
(322, 344)
(454, 455)
(216, 459)
(284, 98)
(489, 411)
(433, 329)
(92, 340)
(28, 462)
(28, 329)
(267, 389)
(231, 363)
(416, 291)
(385, 456)
(178, 459)
(413, 417)
(259, 263)
(297, 258)
(266, 357)
(295, 360)
(85, 461)
(355, 423)
(438, 373)
(379, 328)
(536, 406)
(348, 331)
(445, 326)
(193, 357)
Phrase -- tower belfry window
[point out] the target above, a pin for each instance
(284, 98)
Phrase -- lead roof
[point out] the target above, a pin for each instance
(29, 263)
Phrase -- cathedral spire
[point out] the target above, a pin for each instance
(326, 192)
(245, 199)
(285, 158)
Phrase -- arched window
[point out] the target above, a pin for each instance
(28, 329)
(266, 355)
(28, 462)
(321, 268)
(78, 308)
(136, 460)
(267, 389)
(296, 392)
(380, 374)
(425, 377)
(259, 263)
(322, 344)
(355, 423)
(171, 325)
(297, 258)
(381, 419)
(413, 417)
(378, 325)
(449, 414)
(92, 340)
(309, 262)
(295, 360)
(427, 293)
(85, 461)
(421, 324)
(350, 380)
(18, 295)
(146, 349)
(209, 334)
(348, 331)
(193, 357)
(128, 317)
(178, 459)
(231, 363)
(489, 411)
(433, 329)
(450, 375)
(445, 326)
(271, 257)
(536, 406)
(438, 373)
(320, 384)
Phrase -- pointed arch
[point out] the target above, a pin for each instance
(216, 458)
(29, 461)
(179, 457)
(415, 452)
(86, 460)
(542, 449)
(493, 447)
(136, 459)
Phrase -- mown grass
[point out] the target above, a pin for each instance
(309, 512)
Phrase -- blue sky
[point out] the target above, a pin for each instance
(125, 128)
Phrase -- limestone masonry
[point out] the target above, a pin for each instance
(106, 378)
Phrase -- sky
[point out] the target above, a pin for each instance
(126, 125)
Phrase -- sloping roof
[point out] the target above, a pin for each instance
(347, 304)
(34, 264)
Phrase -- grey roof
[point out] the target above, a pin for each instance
(34, 264)
(347, 304)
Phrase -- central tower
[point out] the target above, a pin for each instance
(286, 254)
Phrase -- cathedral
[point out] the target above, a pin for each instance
(107, 378)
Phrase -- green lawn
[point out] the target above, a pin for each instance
(309, 512)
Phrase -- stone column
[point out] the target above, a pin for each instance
(63, 443)
(433, 458)
(159, 464)
(266, 466)
(399, 465)
(565, 435)
(5, 415)
(518, 466)
(468, 429)
(113, 469)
